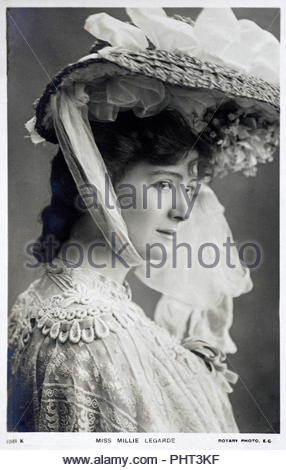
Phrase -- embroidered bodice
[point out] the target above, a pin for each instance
(84, 357)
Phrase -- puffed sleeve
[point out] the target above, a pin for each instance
(20, 327)
(52, 385)
(211, 324)
(70, 389)
(63, 370)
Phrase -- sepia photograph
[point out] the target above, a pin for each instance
(143, 222)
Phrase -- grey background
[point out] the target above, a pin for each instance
(40, 42)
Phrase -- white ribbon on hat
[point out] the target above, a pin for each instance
(216, 36)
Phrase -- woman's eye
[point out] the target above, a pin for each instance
(190, 189)
(163, 185)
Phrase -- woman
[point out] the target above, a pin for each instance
(87, 357)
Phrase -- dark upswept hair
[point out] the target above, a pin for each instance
(163, 139)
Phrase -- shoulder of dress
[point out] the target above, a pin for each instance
(27, 304)
(28, 296)
(21, 310)
(79, 313)
(67, 310)
(21, 323)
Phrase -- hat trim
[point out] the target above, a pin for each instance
(169, 68)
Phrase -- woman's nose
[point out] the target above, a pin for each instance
(179, 209)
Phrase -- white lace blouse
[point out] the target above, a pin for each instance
(84, 357)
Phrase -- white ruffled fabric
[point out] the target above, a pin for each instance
(217, 36)
(117, 33)
(145, 96)
(211, 324)
(197, 300)
(33, 134)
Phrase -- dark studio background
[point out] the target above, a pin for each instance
(41, 41)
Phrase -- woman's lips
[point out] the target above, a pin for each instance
(169, 234)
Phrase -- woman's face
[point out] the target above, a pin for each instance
(155, 202)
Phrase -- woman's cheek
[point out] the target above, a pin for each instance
(140, 224)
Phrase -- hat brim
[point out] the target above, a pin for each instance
(171, 69)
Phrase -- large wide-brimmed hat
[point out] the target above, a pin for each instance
(222, 73)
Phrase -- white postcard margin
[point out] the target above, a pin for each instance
(200, 442)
